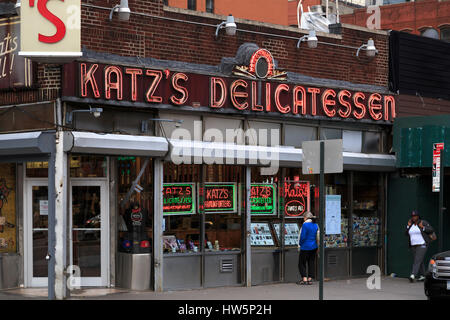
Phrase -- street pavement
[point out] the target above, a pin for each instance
(353, 289)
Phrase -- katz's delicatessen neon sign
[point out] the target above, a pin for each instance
(260, 88)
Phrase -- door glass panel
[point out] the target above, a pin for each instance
(40, 230)
(40, 248)
(86, 233)
(86, 252)
(86, 207)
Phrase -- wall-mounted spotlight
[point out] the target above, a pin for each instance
(144, 123)
(371, 51)
(17, 7)
(229, 25)
(122, 10)
(95, 111)
(310, 39)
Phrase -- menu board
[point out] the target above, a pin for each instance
(178, 199)
(291, 233)
(261, 235)
(262, 199)
(296, 198)
(218, 198)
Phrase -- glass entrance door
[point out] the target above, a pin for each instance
(36, 226)
(89, 234)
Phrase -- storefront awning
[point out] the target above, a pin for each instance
(26, 144)
(115, 144)
(369, 162)
(186, 151)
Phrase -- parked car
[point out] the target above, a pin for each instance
(437, 279)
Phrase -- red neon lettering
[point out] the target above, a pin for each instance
(184, 92)
(314, 92)
(344, 103)
(109, 85)
(86, 77)
(357, 96)
(255, 106)
(134, 73)
(281, 87)
(328, 102)
(375, 106)
(155, 83)
(213, 101)
(235, 94)
(299, 102)
(60, 27)
(268, 93)
(389, 101)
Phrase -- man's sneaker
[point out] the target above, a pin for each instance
(411, 278)
(421, 278)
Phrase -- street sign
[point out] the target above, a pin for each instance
(333, 157)
(437, 149)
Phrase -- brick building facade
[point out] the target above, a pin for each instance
(100, 158)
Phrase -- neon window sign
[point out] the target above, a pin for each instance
(296, 198)
(262, 199)
(218, 198)
(178, 199)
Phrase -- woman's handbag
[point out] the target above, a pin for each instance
(433, 236)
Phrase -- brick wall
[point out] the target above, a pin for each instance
(152, 37)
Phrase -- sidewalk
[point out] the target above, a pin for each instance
(354, 289)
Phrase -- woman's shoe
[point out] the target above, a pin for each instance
(301, 282)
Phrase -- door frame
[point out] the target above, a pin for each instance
(29, 280)
(104, 279)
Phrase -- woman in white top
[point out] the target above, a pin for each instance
(418, 232)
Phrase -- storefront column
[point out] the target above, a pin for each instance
(248, 248)
(158, 224)
(61, 192)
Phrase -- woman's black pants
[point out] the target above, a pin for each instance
(306, 263)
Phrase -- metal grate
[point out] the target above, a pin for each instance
(226, 265)
(332, 259)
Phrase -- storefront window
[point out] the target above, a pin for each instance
(88, 166)
(181, 223)
(337, 213)
(366, 210)
(135, 204)
(219, 202)
(81, 166)
(8, 208)
(264, 209)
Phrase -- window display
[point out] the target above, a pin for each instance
(291, 233)
(366, 220)
(8, 208)
(261, 234)
(336, 185)
(136, 208)
(223, 223)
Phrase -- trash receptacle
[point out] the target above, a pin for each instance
(134, 270)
